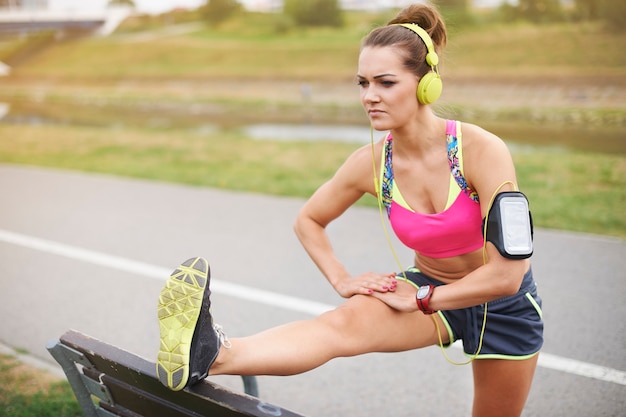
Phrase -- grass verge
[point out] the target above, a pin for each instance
(27, 392)
(574, 191)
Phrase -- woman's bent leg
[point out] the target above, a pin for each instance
(361, 325)
(501, 387)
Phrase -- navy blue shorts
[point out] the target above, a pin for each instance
(514, 327)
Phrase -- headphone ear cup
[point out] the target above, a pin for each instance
(429, 88)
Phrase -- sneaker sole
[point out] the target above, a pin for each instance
(179, 307)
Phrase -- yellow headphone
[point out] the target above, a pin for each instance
(430, 85)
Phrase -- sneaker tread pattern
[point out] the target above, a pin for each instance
(179, 307)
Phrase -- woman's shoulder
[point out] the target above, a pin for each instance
(358, 169)
(365, 153)
(487, 158)
(474, 132)
(479, 140)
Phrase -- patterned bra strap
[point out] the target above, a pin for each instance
(453, 160)
(386, 184)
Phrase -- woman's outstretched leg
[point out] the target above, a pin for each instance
(362, 324)
(190, 345)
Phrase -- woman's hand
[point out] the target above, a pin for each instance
(401, 299)
(367, 284)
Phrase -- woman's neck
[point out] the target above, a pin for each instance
(419, 138)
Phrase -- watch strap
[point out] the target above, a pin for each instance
(423, 301)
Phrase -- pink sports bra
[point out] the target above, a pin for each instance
(454, 231)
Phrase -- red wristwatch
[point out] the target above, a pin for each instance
(423, 298)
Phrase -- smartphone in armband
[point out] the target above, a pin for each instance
(510, 225)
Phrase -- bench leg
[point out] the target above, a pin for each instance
(250, 385)
(74, 378)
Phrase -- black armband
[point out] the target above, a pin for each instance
(510, 225)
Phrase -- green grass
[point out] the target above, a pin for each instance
(24, 393)
(227, 160)
(582, 192)
(561, 50)
(575, 191)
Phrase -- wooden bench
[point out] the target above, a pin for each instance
(109, 381)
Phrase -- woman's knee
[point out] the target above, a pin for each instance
(346, 316)
(350, 324)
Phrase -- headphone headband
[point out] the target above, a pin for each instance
(431, 57)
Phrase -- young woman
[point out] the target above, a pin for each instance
(437, 180)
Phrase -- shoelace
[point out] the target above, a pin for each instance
(224, 341)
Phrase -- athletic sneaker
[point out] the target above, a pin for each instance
(190, 341)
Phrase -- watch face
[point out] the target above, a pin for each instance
(422, 292)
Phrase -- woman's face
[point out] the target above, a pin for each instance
(388, 89)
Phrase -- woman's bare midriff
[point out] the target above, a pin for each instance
(448, 270)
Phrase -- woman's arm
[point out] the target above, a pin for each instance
(353, 179)
(489, 169)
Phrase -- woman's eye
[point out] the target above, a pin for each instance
(365, 83)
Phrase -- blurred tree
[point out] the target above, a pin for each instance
(614, 13)
(610, 11)
(314, 12)
(130, 3)
(216, 11)
(455, 12)
(587, 9)
(540, 10)
(452, 4)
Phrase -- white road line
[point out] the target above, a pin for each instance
(580, 368)
(300, 305)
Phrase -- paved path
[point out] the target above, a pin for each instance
(74, 243)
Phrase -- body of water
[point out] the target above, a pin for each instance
(519, 136)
